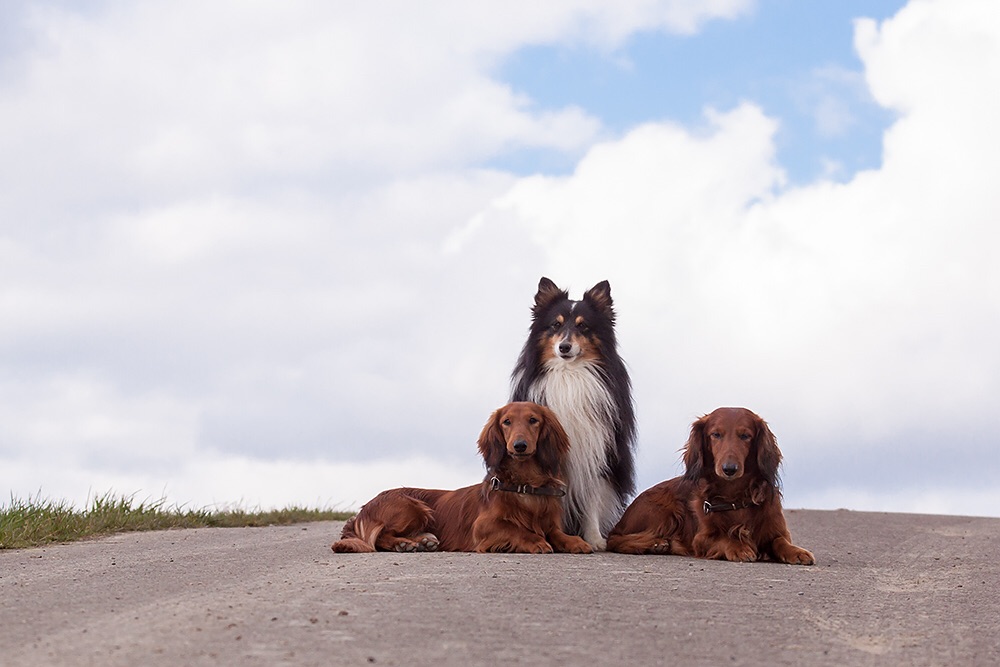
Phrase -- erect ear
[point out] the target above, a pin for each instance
(553, 443)
(600, 296)
(547, 292)
(492, 445)
(694, 450)
(768, 454)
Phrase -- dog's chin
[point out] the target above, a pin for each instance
(520, 457)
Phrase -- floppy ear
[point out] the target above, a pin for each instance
(492, 445)
(553, 444)
(600, 296)
(546, 294)
(694, 450)
(768, 454)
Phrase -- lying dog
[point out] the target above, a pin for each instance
(727, 505)
(517, 508)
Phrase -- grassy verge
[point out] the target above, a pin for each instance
(36, 522)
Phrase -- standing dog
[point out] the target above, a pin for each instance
(570, 363)
(727, 505)
(516, 508)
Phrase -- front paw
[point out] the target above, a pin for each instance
(797, 556)
(539, 548)
(576, 545)
(740, 554)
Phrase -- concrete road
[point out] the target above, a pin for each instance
(889, 589)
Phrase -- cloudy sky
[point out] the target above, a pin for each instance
(284, 253)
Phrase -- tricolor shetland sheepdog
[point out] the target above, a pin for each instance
(570, 364)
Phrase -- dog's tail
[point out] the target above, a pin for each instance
(358, 536)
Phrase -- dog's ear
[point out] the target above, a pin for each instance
(492, 445)
(694, 450)
(553, 444)
(768, 454)
(600, 296)
(547, 292)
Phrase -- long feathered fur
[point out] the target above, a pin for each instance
(570, 363)
(726, 505)
(522, 445)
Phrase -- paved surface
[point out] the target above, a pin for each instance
(889, 589)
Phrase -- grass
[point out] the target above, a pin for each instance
(36, 522)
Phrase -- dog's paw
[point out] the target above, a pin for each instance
(577, 545)
(423, 542)
(427, 542)
(741, 554)
(798, 556)
(539, 548)
(660, 548)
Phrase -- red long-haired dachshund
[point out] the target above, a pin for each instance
(727, 505)
(517, 507)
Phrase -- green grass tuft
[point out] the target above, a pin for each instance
(35, 522)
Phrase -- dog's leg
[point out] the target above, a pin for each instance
(492, 534)
(723, 547)
(646, 542)
(568, 544)
(600, 510)
(592, 532)
(786, 552)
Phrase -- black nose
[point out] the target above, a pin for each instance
(729, 469)
(564, 348)
(520, 446)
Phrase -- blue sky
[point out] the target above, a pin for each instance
(795, 59)
(284, 253)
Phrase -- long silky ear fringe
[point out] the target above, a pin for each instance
(768, 454)
(492, 445)
(694, 450)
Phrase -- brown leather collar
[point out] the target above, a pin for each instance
(726, 507)
(497, 485)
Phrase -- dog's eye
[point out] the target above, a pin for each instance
(506, 422)
(555, 325)
(583, 328)
(532, 420)
(715, 435)
(745, 437)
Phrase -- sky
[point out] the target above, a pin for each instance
(284, 253)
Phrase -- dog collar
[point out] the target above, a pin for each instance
(726, 507)
(497, 485)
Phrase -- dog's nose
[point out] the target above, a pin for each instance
(564, 348)
(730, 469)
(520, 446)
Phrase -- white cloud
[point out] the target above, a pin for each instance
(854, 316)
(245, 254)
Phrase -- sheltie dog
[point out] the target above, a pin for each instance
(570, 364)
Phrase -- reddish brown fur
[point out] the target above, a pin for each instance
(522, 443)
(730, 457)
